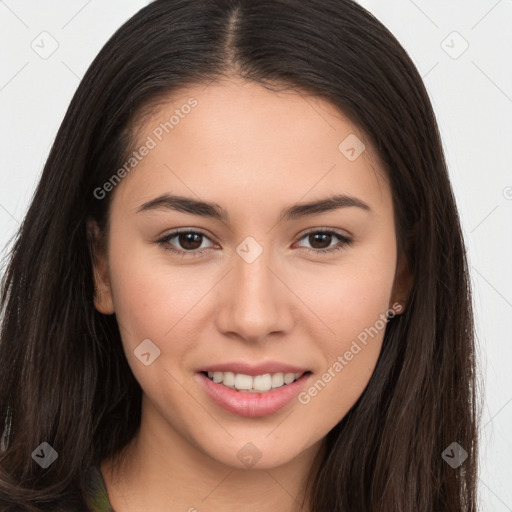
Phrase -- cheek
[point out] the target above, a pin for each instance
(352, 300)
(152, 300)
(350, 297)
(363, 298)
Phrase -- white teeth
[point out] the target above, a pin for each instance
(256, 384)
(277, 380)
(228, 379)
(262, 382)
(289, 378)
(243, 381)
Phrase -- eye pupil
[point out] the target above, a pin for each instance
(186, 238)
(322, 235)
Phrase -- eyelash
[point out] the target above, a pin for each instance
(164, 242)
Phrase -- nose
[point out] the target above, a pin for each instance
(254, 301)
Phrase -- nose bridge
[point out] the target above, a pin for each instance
(253, 304)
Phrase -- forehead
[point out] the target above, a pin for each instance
(238, 139)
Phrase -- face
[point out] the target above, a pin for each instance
(257, 283)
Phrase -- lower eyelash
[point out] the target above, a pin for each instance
(344, 242)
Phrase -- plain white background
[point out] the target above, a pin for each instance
(462, 49)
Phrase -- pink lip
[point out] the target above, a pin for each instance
(253, 369)
(252, 405)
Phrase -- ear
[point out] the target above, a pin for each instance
(402, 286)
(102, 291)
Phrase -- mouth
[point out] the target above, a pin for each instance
(252, 395)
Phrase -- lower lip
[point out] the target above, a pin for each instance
(252, 405)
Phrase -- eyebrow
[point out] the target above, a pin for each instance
(213, 210)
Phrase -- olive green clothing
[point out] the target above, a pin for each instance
(97, 491)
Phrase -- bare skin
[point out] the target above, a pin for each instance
(254, 152)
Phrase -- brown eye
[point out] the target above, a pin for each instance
(189, 241)
(184, 243)
(321, 241)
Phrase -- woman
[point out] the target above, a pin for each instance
(246, 370)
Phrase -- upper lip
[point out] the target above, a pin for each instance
(253, 369)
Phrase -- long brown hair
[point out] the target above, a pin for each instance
(64, 378)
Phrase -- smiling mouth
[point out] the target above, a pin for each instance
(253, 384)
